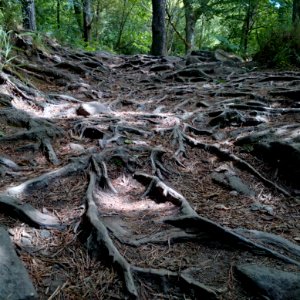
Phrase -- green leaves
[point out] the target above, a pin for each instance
(5, 48)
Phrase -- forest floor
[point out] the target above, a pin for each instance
(150, 178)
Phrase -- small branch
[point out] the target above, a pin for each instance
(175, 29)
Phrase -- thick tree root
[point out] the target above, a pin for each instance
(98, 241)
(97, 237)
(26, 213)
(45, 179)
(183, 280)
(194, 224)
(156, 163)
(49, 151)
(163, 193)
(169, 237)
(191, 222)
(272, 240)
(9, 164)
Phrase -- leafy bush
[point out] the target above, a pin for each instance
(280, 48)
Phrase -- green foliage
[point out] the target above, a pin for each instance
(226, 44)
(10, 14)
(5, 48)
(281, 48)
(124, 26)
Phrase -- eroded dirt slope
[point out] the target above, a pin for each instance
(149, 178)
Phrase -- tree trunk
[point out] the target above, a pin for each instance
(78, 12)
(248, 24)
(28, 10)
(296, 12)
(122, 24)
(87, 20)
(245, 34)
(158, 47)
(190, 23)
(58, 13)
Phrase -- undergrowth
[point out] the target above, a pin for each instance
(280, 48)
(5, 48)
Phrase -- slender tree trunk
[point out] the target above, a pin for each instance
(245, 33)
(97, 20)
(158, 47)
(122, 24)
(190, 23)
(249, 21)
(296, 12)
(78, 13)
(28, 10)
(87, 20)
(124, 18)
(58, 13)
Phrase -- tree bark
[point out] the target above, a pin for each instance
(158, 47)
(190, 23)
(248, 23)
(87, 20)
(193, 10)
(28, 10)
(58, 13)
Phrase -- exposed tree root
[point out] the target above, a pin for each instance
(98, 241)
(45, 179)
(26, 213)
(159, 106)
(272, 240)
(168, 279)
(156, 163)
(163, 193)
(169, 237)
(196, 224)
(9, 164)
(226, 155)
(49, 151)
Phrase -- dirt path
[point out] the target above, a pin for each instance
(142, 177)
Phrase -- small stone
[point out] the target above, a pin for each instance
(92, 108)
(76, 147)
(45, 234)
(26, 242)
(57, 58)
(26, 234)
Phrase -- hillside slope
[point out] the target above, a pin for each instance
(143, 177)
